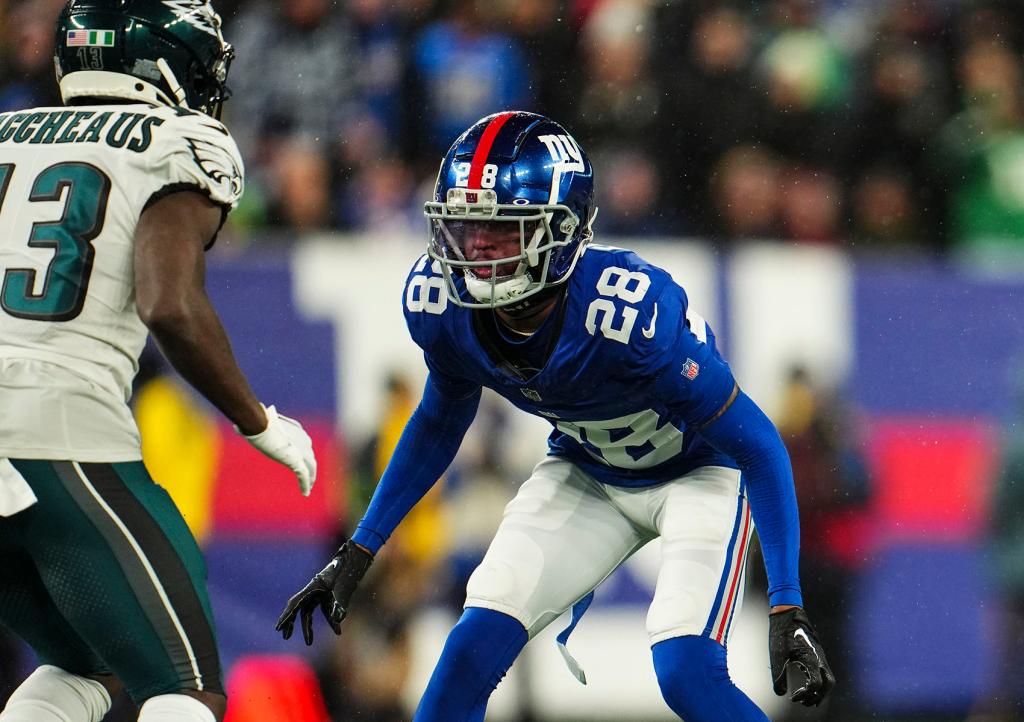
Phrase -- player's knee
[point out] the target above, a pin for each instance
(51, 694)
(481, 634)
(694, 679)
(679, 612)
(186, 706)
(685, 666)
(496, 580)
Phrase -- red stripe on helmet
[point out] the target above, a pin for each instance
(483, 149)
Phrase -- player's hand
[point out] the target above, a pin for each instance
(797, 659)
(286, 442)
(330, 591)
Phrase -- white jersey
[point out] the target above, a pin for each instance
(73, 184)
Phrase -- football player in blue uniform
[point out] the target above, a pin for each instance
(651, 438)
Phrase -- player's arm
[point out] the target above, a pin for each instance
(740, 429)
(170, 297)
(694, 376)
(425, 449)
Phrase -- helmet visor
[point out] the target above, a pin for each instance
(488, 249)
(502, 251)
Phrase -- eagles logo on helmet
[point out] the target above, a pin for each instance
(511, 175)
(170, 52)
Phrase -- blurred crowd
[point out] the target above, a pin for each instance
(880, 125)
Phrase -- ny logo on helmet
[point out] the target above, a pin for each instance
(564, 152)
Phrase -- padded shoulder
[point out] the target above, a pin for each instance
(632, 309)
(193, 149)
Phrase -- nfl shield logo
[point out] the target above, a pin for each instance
(531, 394)
(472, 197)
(690, 369)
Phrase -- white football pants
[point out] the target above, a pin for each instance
(565, 532)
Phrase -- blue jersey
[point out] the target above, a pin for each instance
(630, 379)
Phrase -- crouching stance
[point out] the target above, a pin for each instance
(652, 437)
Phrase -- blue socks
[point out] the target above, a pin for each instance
(692, 673)
(476, 656)
(694, 681)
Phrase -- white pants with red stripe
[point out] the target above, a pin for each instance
(564, 532)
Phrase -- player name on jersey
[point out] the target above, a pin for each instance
(118, 129)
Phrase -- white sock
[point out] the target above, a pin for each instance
(174, 708)
(52, 695)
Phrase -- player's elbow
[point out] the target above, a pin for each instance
(762, 449)
(163, 316)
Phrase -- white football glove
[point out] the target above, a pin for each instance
(286, 442)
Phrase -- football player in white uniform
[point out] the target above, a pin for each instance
(106, 208)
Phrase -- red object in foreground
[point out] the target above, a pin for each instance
(274, 688)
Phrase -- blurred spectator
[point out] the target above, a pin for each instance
(423, 536)
(745, 186)
(810, 207)
(831, 484)
(803, 69)
(628, 194)
(619, 102)
(26, 39)
(365, 670)
(905, 96)
(807, 80)
(902, 103)
(712, 99)
(982, 151)
(884, 212)
(482, 481)
(343, 109)
(616, 112)
(294, 87)
(464, 68)
(302, 185)
(551, 46)
(381, 198)
(381, 30)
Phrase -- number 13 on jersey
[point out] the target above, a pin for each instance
(85, 189)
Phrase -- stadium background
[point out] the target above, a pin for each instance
(840, 187)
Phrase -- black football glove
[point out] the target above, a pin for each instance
(798, 661)
(330, 590)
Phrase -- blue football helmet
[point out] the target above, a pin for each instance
(521, 181)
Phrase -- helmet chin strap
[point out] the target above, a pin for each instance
(532, 305)
(172, 82)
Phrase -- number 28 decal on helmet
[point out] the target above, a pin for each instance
(512, 210)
